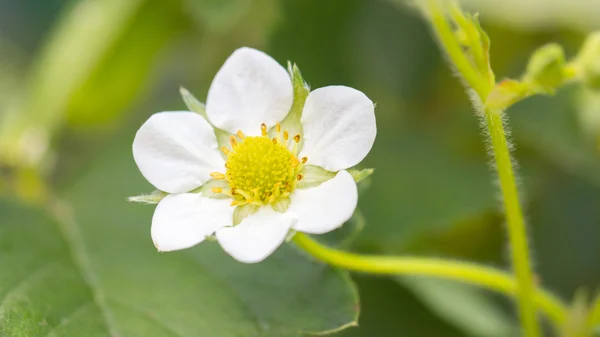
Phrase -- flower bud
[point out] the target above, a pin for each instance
(589, 61)
(545, 70)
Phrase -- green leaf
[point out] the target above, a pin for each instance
(346, 235)
(124, 69)
(463, 305)
(96, 61)
(96, 272)
(423, 188)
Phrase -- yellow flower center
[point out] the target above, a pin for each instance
(261, 170)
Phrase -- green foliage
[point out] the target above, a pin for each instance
(96, 272)
(431, 179)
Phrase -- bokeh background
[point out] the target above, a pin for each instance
(78, 77)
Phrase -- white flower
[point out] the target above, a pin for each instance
(252, 193)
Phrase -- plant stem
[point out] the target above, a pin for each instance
(514, 218)
(500, 148)
(485, 277)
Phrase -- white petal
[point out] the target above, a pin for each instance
(326, 207)
(183, 220)
(176, 151)
(250, 89)
(339, 127)
(257, 236)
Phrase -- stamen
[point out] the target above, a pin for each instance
(225, 150)
(286, 135)
(274, 140)
(278, 127)
(304, 160)
(299, 177)
(232, 141)
(217, 175)
(294, 162)
(240, 134)
(297, 138)
(263, 129)
(234, 203)
(217, 190)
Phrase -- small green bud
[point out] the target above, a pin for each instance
(589, 61)
(545, 70)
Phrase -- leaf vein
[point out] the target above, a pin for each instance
(25, 283)
(147, 315)
(69, 318)
(69, 230)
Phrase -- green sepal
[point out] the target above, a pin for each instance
(291, 123)
(242, 212)
(314, 176)
(359, 175)
(281, 205)
(206, 189)
(192, 103)
(149, 199)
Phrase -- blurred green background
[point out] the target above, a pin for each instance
(78, 77)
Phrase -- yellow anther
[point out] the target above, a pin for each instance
(217, 175)
(232, 141)
(240, 134)
(260, 169)
(225, 150)
(217, 190)
(304, 160)
(297, 138)
(263, 129)
(299, 177)
(278, 127)
(234, 203)
(286, 135)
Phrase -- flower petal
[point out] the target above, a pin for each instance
(339, 127)
(251, 88)
(183, 220)
(326, 207)
(176, 151)
(257, 236)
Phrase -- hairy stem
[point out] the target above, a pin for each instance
(471, 273)
(514, 219)
(516, 225)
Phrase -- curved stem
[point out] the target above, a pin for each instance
(482, 276)
(514, 219)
